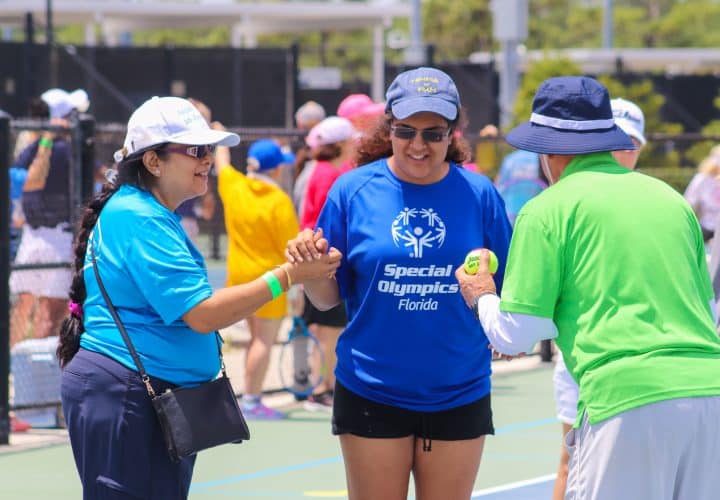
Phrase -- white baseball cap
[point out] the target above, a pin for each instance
(330, 131)
(58, 101)
(170, 119)
(630, 118)
(80, 100)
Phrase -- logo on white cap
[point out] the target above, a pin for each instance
(160, 120)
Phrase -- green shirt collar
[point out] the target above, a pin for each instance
(596, 162)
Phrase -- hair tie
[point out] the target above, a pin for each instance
(76, 310)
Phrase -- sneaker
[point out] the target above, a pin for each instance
(261, 412)
(17, 425)
(319, 402)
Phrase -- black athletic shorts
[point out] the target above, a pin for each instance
(332, 317)
(353, 414)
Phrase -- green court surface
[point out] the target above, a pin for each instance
(299, 458)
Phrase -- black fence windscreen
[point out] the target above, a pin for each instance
(244, 87)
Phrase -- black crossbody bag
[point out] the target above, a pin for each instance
(191, 418)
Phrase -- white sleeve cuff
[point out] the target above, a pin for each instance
(512, 333)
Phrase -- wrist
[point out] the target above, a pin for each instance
(476, 301)
(273, 283)
(285, 268)
(46, 142)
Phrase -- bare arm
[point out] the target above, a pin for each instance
(232, 304)
(323, 293)
(40, 167)
(222, 153)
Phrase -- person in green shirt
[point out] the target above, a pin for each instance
(611, 263)
(631, 120)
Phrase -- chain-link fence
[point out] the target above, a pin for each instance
(32, 257)
(49, 177)
(671, 157)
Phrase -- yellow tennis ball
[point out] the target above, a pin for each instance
(472, 261)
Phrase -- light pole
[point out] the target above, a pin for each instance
(50, 43)
(510, 29)
(415, 53)
(49, 39)
(608, 25)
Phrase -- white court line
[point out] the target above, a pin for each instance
(511, 486)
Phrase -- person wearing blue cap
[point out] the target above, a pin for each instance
(611, 264)
(259, 220)
(412, 390)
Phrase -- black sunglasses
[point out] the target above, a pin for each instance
(428, 135)
(194, 151)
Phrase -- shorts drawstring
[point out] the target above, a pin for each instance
(426, 423)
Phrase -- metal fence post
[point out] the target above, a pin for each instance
(4, 278)
(87, 157)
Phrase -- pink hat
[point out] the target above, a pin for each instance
(356, 105)
(330, 131)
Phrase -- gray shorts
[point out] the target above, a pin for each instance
(662, 451)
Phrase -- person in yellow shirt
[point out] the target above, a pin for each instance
(259, 220)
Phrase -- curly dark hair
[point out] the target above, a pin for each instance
(376, 144)
(131, 171)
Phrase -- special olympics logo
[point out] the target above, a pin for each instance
(418, 229)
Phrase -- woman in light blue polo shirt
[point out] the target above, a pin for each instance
(157, 281)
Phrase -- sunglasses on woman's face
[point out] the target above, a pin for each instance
(406, 133)
(194, 151)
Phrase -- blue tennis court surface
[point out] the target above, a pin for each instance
(299, 458)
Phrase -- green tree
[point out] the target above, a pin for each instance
(192, 37)
(557, 24)
(536, 74)
(701, 149)
(690, 24)
(457, 28)
(642, 93)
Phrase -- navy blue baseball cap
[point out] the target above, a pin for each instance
(570, 115)
(265, 154)
(422, 89)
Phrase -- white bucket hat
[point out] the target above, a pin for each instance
(170, 119)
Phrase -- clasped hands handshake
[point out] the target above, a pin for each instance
(311, 257)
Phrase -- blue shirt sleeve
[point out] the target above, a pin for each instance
(333, 222)
(498, 231)
(168, 275)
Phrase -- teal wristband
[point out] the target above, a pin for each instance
(273, 283)
(44, 141)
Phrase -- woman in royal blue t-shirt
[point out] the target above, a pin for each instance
(413, 369)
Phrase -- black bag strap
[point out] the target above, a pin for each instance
(126, 338)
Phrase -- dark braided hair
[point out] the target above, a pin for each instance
(131, 171)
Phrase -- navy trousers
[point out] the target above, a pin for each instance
(116, 440)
